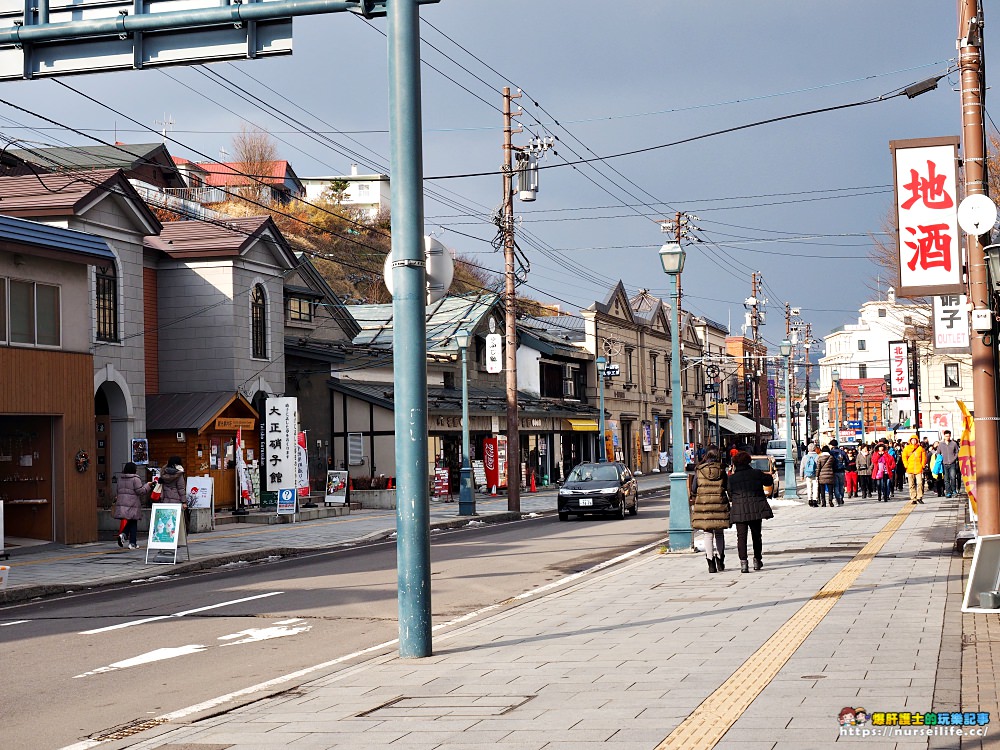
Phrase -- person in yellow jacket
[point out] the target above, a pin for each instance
(914, 463)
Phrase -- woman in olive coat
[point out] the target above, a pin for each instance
(710, 507)
(749, 507)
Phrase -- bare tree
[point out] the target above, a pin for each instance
(255, 154)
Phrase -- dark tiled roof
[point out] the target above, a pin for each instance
(188, 411)
(127, 157)
(481, 400)
(202, 239)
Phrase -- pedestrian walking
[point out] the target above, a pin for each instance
(899, 473)
(937, 472)
(839, 470)
(824, 471)
(128, 504)
(749, 508)
(914, 462)
(851, 473)
(883, 465)
(174, 486)
(710, 507)
(948, 449)
(808, 471)
(865, 471)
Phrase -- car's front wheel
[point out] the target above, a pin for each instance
(563, 516)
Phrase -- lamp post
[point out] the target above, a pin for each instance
(864, 426)
(602, 448)
(791, 489)
(672, 258)
(835, 376)
(466, 493)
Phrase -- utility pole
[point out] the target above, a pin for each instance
(970, 61)
(510, 348)
(755, 328)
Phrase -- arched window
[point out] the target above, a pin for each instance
(258, 322)
(107, 303)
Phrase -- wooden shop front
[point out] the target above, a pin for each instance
(201, 429)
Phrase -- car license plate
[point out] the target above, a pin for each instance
(586, 502)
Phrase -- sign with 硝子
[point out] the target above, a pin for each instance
(280, 448)
(951, 322)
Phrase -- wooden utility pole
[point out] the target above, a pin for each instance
(510, 342)
(984, 382)
(755, 328)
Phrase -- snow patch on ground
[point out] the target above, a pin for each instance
(475, 523)
(155, 578)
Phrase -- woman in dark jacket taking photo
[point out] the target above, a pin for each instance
(748, 507)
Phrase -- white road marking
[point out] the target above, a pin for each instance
(273, 683)
(177, 614)
(252, 635)
(159, 654)
(15, 622)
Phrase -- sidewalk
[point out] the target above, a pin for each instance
(52, 568)
(855, 607)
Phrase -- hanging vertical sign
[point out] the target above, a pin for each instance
(951, 322)
(899, 368)
(928, 243)
(494, 353)
(302, 465)
(280, 450)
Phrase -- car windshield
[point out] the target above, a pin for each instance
(761, 463)
(776, 444)
(593, 473)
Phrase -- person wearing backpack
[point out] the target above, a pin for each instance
(839, 470)
(865, 472)
(808, 471)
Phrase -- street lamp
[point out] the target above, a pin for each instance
(602, 448)
(835, 376)
(466, 493)
(672, 258)
(864, 427)
(791, 489)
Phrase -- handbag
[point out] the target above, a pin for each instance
(157, 491)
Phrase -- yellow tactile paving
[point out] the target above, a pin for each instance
(708, 723)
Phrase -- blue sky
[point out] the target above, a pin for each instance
(617, 77)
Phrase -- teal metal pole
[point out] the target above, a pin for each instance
(791, 488)
(409, 307)
(466, 492)
(680, 512)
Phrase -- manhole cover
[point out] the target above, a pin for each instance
(446, 706)
(127, 730)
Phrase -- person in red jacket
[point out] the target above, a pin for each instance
(883, 465)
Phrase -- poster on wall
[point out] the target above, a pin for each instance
(200, 492)
(647, 437)
(140, 451)
(280, 449)
(336, 488)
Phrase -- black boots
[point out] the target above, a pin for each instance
(744, 566)
(720, 562)
(758, 563)
(711, 565)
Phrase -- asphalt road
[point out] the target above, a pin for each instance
(84, 665)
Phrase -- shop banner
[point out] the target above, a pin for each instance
(951, 322)
(336, 488)
(967, 457)
(242, 475)
(899, 368)
(281, 422)
(302, 466)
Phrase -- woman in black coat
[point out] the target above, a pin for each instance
(748, 507)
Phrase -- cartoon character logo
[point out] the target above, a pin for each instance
(860, 716)
(846, 717)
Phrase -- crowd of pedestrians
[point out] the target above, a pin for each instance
(881, 470)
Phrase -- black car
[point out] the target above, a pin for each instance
(605, 488)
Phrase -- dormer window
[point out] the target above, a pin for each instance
(300, 310)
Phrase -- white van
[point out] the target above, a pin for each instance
(776, 450)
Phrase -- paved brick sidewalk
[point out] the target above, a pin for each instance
(623, 658)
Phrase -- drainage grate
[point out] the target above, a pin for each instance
(127, 730)
(446, 706)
